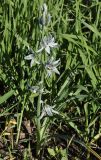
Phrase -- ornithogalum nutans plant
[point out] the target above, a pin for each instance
(50, 78)
(48, 66)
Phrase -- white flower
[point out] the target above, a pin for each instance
(48, 111)
(51, 66)
(31, 57)
(36, 89)
(47, 43)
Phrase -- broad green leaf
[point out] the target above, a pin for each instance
(51, 152)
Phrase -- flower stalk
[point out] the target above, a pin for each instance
(38, 116)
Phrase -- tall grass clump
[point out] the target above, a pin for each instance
(50, 79)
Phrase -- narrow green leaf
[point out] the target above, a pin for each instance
(92, 28)
(88, 68)
(6, 96)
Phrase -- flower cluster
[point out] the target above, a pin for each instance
(49, 65)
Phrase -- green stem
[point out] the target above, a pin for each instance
(20, 121)
(38, 118)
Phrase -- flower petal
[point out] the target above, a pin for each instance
(32, 62)
(56, 112)
(48, 18)
(37, 62)
(49, 73)
(29, 57)
(48, 110)
(55, 70)
(56, 63)
(42, 114)
(40, 50)
(53, 45)
(47, 49)
(34, 89)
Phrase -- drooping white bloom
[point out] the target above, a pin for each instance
(48, 111)
(51, 66)
(37, 88)
(34, 89)
(31, 57)
(47, 43)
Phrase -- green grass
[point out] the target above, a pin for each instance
(74, 133)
